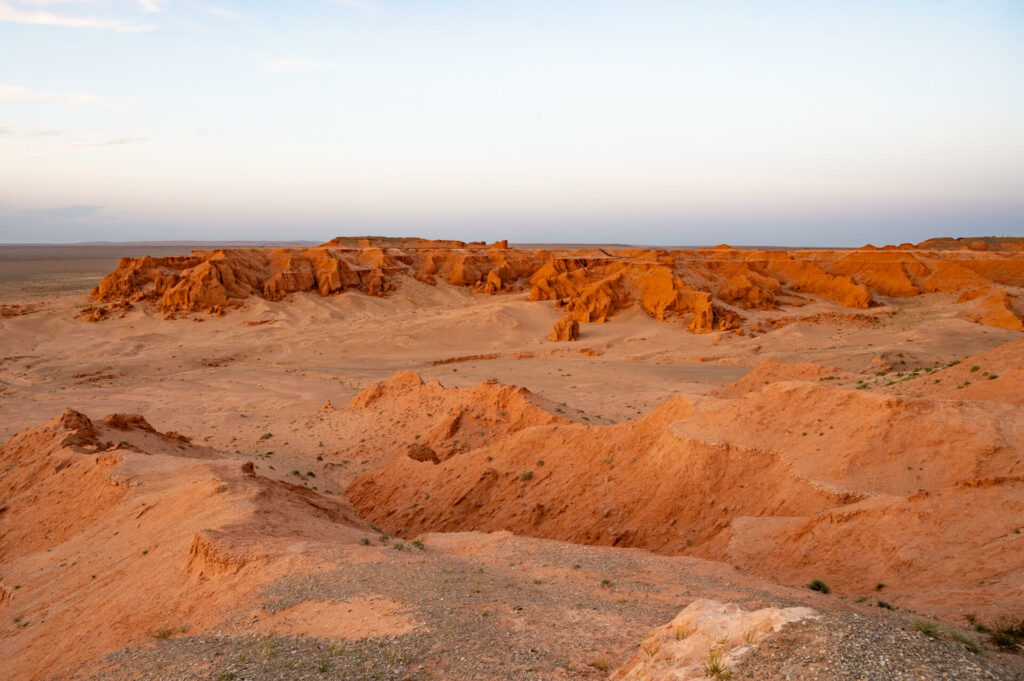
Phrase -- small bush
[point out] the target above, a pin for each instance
(966, 641)
(419, 544)
(715, 667)
(268, 649)
(887, 606)
(926, 627)
(528, 475)
(818, 585)
(1007, 635)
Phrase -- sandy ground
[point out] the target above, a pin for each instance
(251, 386)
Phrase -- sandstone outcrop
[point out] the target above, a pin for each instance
(107, 543)
(705, 629)
(566, 329)
(707, 288)
(795, 479)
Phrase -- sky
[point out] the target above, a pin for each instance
(671, 122)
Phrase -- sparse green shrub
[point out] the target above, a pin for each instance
(651, 648)
(818, 585)
(268, 649)
(1007, 635)
(528, 475)
(926, 627)
(396, 655)
(715, 667)
(966, 641)
(887, 606)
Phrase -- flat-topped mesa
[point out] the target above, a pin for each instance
(707, 288)
(412, 242)
(974, 243)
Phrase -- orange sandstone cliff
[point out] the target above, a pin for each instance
(708, 288)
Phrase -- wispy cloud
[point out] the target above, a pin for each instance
(18, 93)
(354, 4)
(29, 132)
(220, 12)
(111, 142)
(294, 65)
(41, 18)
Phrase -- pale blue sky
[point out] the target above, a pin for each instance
(671, 122)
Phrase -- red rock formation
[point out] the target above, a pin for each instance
(108, 543)
(706, 288)
(756, 479)
(566, 329)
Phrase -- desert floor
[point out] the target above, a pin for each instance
(345, 603)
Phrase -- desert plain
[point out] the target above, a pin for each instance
(384, 458)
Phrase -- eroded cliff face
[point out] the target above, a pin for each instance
(780, 474)
(708, 288)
